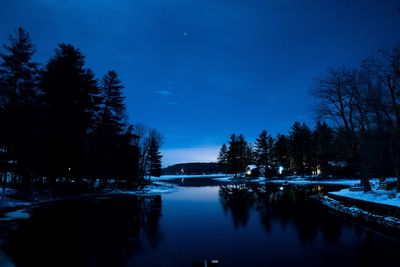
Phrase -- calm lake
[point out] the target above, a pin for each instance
(238, 225)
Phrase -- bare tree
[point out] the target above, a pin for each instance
(385, 72)
(334, 102)
(341, 98)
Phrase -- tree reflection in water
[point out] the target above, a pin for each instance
(239, 200)
(288, 205)
(91, 232)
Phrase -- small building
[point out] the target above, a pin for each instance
(251, 170)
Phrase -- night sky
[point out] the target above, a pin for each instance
(198, 70)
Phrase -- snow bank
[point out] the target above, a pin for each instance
(379, 196)
(346, 182)
(172, 177)
(156, 189)
(355, 212)
(233, 179)
(224, 179)
(15, 215)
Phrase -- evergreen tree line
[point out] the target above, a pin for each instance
(60, 123)
(358, 133)
(302, 152)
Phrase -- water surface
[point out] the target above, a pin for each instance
(239, 225)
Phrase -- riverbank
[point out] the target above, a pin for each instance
(380, 208)
(13, 204)
(387, 224)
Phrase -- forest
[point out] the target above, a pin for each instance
(357, 133)
(61, 124)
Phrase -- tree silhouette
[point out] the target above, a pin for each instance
(322, 148)
(18, 101)
(223, 158)
(69, 97)
(110, 128)
(300, 149)
(264, 143)
(155, 157)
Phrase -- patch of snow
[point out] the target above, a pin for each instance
(224, 179)
(15, 215)
(347, 182)
(251, 167)
(151, 190)
(378, 196)
(359, 213)
(184, 176)
(233, 179)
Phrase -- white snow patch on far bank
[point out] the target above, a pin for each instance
(233, 179)
(185, 176)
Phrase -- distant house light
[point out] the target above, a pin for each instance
(280, 170)
(250, 169)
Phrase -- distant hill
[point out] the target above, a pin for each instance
(192, 168)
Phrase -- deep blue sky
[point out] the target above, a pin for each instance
(198, 70)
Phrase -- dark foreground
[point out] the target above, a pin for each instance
(238, 225)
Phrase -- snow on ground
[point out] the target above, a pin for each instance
(224, 179)
(359, 213)
(294, 181)
(184, 176)
(15, 215)
(305, 181)
(376, 196)
(11, 203)
(156, 189)
(232, 179)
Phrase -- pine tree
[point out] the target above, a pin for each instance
(233, 156)
(281, 154)
(322, 148)
(19, 100)
(264, 152)
(17, 71)
(300, 149)
(69, 96)
(129, 156)
(244, 153)
(109, 132)
(223, 157)
(113, 108)
(155, 156)
(237, 156)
